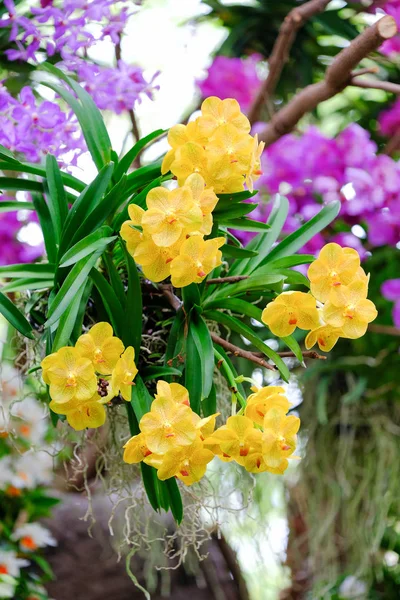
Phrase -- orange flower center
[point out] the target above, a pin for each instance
(98, 356)
(28, 542)
(170, 217)
(321, 341)
(13, 491)
(168, 430)
(283, 443)
(292, 321)
(349, 311)
(3, 570)
(71, 379)
(25, 430)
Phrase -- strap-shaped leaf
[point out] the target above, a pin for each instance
(110, 300)
(202, 339)
(193, 374)
(159, 372)
(296, 240)
(139, 199)
(132, 333)
(262, 282)
(34, 270)
(97, 240)
(7, 155)
(236, 325)
(47, 225)
(291, 261)
(88, 115)
(245, 224)
(236, 252)
(263, 242)
(175, 499)
(115, 278)
(233, 212)
(292, 343)
(83, 205)
(25, 185)
(75, 279)
(57, 201)
(67, 322)
(130, 156)
(10, 206)
(28, 283)
(236, 305)
(225, 201)
(11, 313)
(34, 169)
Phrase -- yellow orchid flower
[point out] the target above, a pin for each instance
(188, 464)
(334, 267)
(179, 135)
(230, 141)
(190, 158)
(279, 439)
(205, 426)
(70, 375)
(168, 425)
(128, 232)
(326, 336)
(263, 400)
(216, 113)
(124, 373)
(254, 170)
(155, 260)
(101, 347)
(170, 213)
(234, 440)
(172, 391)
(135, 449)
(81, 414)
(355, 312)
(290, 310)
(196, 259)
(206, 199)
(46, 363)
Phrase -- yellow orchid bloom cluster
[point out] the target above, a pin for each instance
(167, 239)
(264, 438)
(84, 377)
(171, 437)
(218, 146)
(337, 305)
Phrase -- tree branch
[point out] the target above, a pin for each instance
(281, 50)
(236, 351)
(337, 77)
(307, 354)
(376, 84)
(384, 329)
(233, 279)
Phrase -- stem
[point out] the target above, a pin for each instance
(236, 351)
(384, 329)
(337, 77)
(232, 279)
(281, 50)
(222, 364)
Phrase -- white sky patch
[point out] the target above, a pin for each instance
(359, 232)
(348, 191)
(31, 234)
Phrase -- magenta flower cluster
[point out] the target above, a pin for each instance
(392, 8)
(12, 250)
(312, 169)
(232, 78)
(391, 291)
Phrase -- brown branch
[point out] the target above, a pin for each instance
(307, 354)
(236, 351)
(384, 329)
(337, 77)
(168, 292)
(376, 84)
(393, 144)
(281, 50)
(233, 279)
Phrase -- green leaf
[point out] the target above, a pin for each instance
(130, 156)
(26, 185)
(270, 281)
(115, 279)
(263, 242)
(57, 204)
(19, 285)
(7, 155)
(132, 334)
(34, 169)
(110, 301)
(95, 241)
(236, 325)
(235, 252)
(43, 564)
(140, 399)
(139, 199)
(296, 240)
(7, 206)
(225, 201)
(75, 279)
(176, 340)
(159, 372)
(234, 212)
(88, 115)
(67, 322)
(209, 404)
(106, 207)
(149, 476)
(11, 313)
(47, 226)
(175, 499)
(193, 374)
(291, 261)
(141, 177)
(34, 270)
(246, 224)
(191, 296)
(83, 205)
(202, 339)
(235, 305)
(291, 343)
